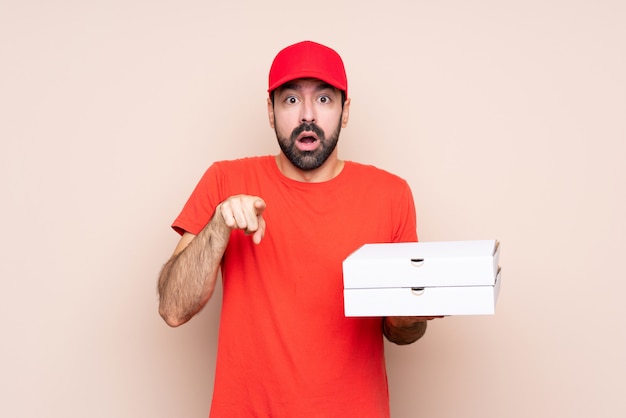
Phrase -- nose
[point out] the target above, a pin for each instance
(308, 112)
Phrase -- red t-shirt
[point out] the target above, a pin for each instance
(285, 347)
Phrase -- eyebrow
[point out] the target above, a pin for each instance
(297, 87)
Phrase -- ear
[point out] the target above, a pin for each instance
(345, 114)
(270, 112)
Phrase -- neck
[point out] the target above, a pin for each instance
(327, 171)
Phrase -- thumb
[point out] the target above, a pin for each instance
(259, 206)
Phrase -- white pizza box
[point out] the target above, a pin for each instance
(422, 279)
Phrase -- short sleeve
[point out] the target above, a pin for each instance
(202, 202)
(405, 218)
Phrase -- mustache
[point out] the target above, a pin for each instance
(307, 127)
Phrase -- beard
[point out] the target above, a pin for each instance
(308, 160)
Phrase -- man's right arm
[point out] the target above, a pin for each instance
(187, 280)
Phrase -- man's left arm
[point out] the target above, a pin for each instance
(404, 330)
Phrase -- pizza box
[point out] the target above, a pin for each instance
(422, 279)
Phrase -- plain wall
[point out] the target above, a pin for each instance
(507, 118)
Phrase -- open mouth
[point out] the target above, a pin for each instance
(307, 142)
(307, 139)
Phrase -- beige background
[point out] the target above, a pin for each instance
(506, 117)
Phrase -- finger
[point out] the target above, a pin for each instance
(259, 206)
(429, 318)
(260, 232)
(257, 237)
(227, 214)
(254, 214)
(240, 213)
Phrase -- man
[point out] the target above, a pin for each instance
(279, 228)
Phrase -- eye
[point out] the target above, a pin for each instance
(324, 99)
(291, 100)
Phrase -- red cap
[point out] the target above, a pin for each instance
(308, 60)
